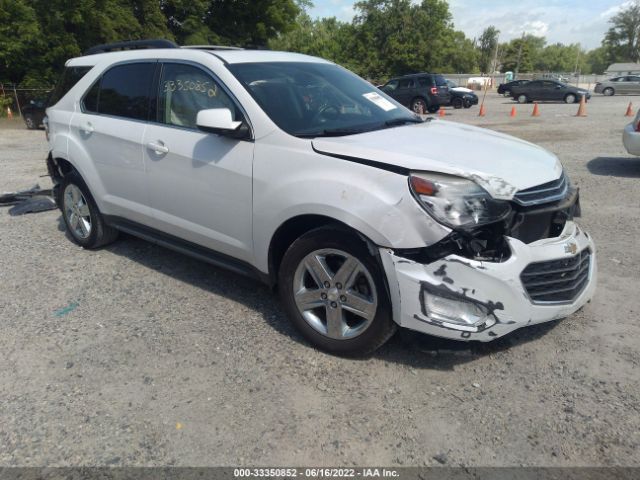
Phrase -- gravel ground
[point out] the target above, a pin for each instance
(135, 355)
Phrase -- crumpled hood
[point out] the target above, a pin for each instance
(499, 163)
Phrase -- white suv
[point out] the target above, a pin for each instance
(296, 171)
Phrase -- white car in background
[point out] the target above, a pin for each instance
(293, 170)
(454, 86)
(631, 136)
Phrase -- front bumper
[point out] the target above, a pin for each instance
(495, 286)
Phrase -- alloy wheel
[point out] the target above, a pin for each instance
(76, 211)
(335, 293)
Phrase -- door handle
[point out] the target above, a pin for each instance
(88, 128)
(158, 147)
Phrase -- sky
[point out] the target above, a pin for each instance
(568, 21)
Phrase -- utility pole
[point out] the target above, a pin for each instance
(515, 74)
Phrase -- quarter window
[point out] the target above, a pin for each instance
(124, 91)
(184, 91)
(69, 78)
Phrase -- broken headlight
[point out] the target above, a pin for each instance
(455, 201)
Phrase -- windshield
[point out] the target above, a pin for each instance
(318, 99)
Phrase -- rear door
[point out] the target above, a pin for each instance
(110, 128)
(634, 84)
(405, 91)
(533, 90)
(200, 184)
(550, 90)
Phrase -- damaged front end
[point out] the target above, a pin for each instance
(532, 265)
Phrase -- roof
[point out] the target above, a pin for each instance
(623, 67)
(227, 56)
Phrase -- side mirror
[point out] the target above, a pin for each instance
(220, 121)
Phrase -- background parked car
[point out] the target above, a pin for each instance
(421, 92)
(505, 88)
(548, 90)
(619, 85)
(34, 113)
(454, 87)
(463, 99)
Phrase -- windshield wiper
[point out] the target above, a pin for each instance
(332, 132)
(402, 121)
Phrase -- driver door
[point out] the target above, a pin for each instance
(199, 183)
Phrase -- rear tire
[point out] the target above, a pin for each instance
(321, 297)
(418, 105)
(608, 92)
(522, 98)
(81, 216)
(29, 122)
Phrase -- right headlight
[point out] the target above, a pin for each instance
(455, 201)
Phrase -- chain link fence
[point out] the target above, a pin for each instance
(15, 98)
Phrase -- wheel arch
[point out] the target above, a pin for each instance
(293, 228)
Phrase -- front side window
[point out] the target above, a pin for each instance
(125, 91)
(309, 99)
(184, 91)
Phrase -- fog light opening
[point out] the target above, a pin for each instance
(454, 311)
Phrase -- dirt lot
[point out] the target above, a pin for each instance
(136, 355)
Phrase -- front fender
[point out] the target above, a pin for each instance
(375, 202)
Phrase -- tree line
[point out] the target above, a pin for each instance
(384, 38)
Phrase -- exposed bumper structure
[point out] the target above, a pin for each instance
(464, 299)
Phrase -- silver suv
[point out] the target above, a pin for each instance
(295, 171)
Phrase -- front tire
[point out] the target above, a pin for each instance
(333, 291)
(84, 221)
(608, 92)
(457, 103)
(570, 98)
(30, 122)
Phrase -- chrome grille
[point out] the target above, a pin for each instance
(557, 280)
(547, 192)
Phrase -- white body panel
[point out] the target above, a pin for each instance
(631, 138)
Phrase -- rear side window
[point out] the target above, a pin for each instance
(124, 91)
(68, 79)
(90, 101)
(425, 81)
(406, 83)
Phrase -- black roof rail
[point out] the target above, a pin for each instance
(212, 47)
(130, 45)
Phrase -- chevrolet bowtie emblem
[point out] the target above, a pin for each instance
(571, 248)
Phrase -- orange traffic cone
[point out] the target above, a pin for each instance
(513, 112)
(629, 112)
(482, 111)
(441, 112)
(582, 109)
(536, 110)
(9, 113)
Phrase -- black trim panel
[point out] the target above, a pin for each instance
(187, 248)
(370, 163)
